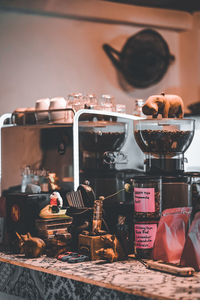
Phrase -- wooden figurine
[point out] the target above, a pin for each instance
(112, 250)
(107, 254)
(56, 202)
(169, 106)
(30, 246)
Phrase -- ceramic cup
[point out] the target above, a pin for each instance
(40, 105)
(69, 114)
(56, 115)
(18, 116)
(30, 117)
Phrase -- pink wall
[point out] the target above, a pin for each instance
(46, 56)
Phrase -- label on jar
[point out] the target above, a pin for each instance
(144, 199)
(145, 235)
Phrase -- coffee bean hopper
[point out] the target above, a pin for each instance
(101, 142)
(164, 142)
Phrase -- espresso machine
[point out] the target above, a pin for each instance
(164, 142)
(97, 147)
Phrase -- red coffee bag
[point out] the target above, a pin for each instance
(171, 234)
(191, 252)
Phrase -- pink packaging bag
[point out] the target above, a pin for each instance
(171, 234)
(191, 252)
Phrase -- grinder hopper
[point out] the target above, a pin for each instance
(101, 142)
(164, 142)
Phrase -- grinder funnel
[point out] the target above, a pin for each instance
(164, 142)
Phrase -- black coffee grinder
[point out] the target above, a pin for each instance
(100, 144)
(164, 142)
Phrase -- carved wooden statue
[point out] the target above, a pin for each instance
(30, 246)
(169, 106)
(112, 250)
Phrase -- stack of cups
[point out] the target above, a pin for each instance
(30, 118)
(74, 102)
(57, 110)
(18, 116)
(121, 108)
(91, 101)
(107, 102)
(78, 101)
(41, 108)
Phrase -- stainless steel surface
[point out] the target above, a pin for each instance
(56, 149)
(48, 147)
(192, 155)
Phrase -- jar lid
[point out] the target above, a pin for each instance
(145, 177)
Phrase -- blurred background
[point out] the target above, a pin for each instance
(54, 48)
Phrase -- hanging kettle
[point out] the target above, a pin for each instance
(143, 60)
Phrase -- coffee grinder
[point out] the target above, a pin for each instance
(164, 183)
(100, 144)
(164, 142)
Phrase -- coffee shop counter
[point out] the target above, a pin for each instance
(49, 278)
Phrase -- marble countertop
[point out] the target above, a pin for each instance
(130, 276)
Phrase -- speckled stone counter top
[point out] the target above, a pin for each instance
(49, 278)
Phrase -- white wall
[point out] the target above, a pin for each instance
(47, 56)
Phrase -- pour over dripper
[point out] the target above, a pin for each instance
(164, 142)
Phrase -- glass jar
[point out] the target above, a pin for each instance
(107, 102)
(147, 197)
(138, 108)
(75, 101)
(91, 101)
(121, 108)
(144, 237)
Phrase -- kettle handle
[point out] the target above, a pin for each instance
(109, 51)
